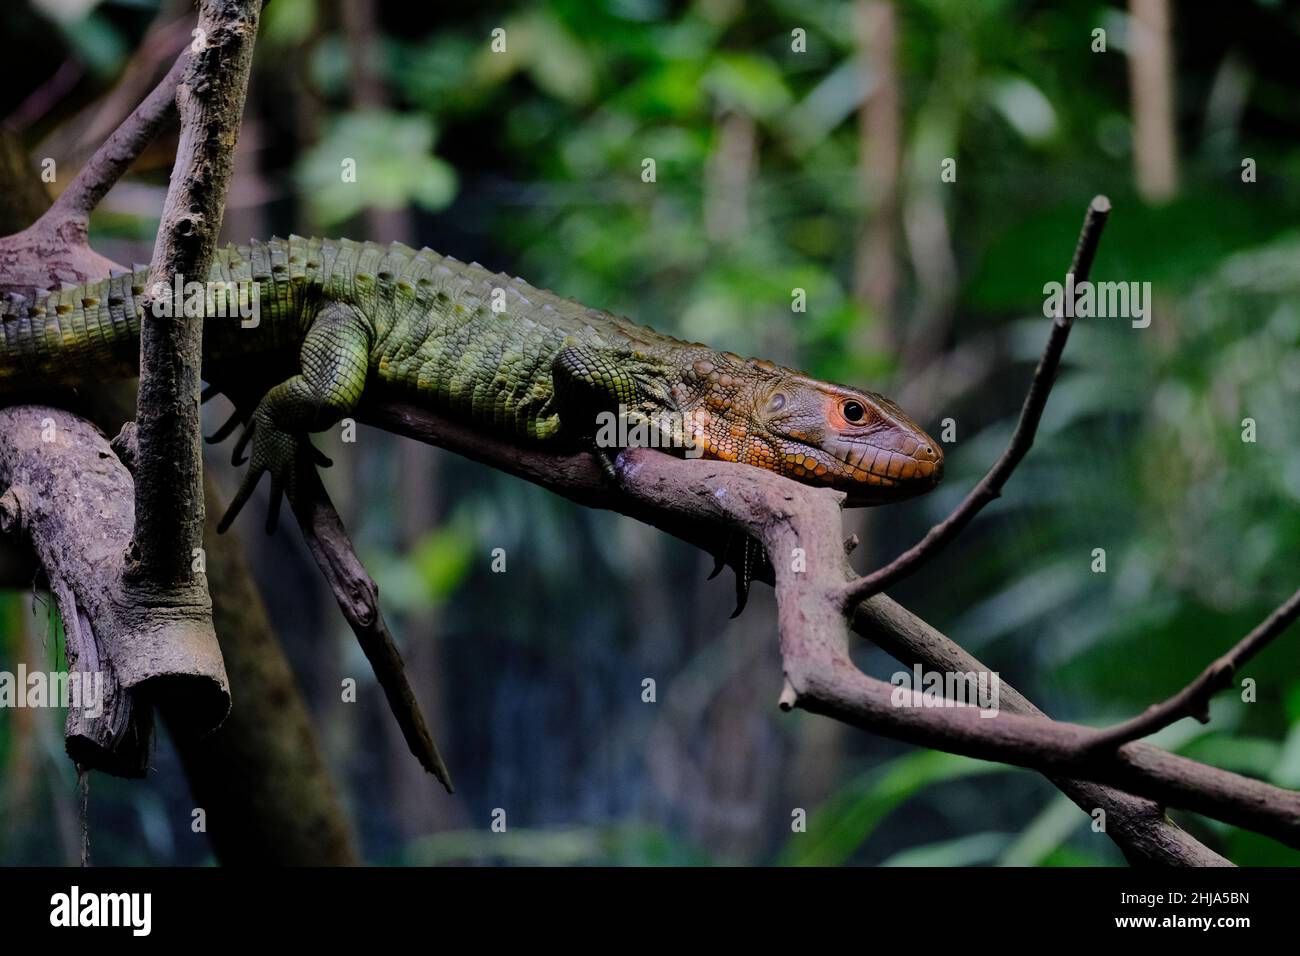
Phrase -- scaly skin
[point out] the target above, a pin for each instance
(487, 348)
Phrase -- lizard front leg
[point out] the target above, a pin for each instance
(334, 358)
(596, 388)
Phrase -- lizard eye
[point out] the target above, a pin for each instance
(854, 412)
(776, 402)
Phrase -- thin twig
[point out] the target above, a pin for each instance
(108, 163)
(990, 486)
(83, 788)
(1194, 699)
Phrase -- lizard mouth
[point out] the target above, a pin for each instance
(872, 474)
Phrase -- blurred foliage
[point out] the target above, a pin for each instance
(531, 160)
(390, 166)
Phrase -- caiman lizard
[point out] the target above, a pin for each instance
(339, 317)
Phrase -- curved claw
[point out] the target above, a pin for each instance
(318, 457)
(277, 452)
(746, 564)
(237, 455)
(245, 492)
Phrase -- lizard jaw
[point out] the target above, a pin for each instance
(873, 474)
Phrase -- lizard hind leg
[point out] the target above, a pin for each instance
(334, 359)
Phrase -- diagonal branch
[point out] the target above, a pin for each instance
(990, 486)
(108, 163)
(358, 599)
(54, 248)
(1194, 699)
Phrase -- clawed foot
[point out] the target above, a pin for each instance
(745, 555)
(277, 452)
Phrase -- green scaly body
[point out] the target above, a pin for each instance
(336, 318)
(433, 332)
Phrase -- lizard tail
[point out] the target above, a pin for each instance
(63, 335)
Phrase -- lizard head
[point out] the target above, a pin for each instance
(815, 432)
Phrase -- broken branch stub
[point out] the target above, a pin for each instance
(70, 497)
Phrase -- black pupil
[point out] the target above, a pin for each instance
(853, 411)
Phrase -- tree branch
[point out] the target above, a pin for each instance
(169, 511)
(108, 163)
(698, 500)
(132, 637)
(358, 599)
(791, 520)
(990, 486)
(70, 499)
(1194, 699)
(54, 249)
(261, 777)
(169, 475)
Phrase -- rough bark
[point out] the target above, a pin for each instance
(162, 569)
(80, 538)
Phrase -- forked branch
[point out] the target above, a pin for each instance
(990, 486)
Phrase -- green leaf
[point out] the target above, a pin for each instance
(1045, 834)
(287, 23)
(442, 557)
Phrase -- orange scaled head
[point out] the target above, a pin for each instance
(815, 432)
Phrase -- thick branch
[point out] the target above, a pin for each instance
(68, 496)
(169, 492)
(131, 636)
(990, 486)
(163, 568)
